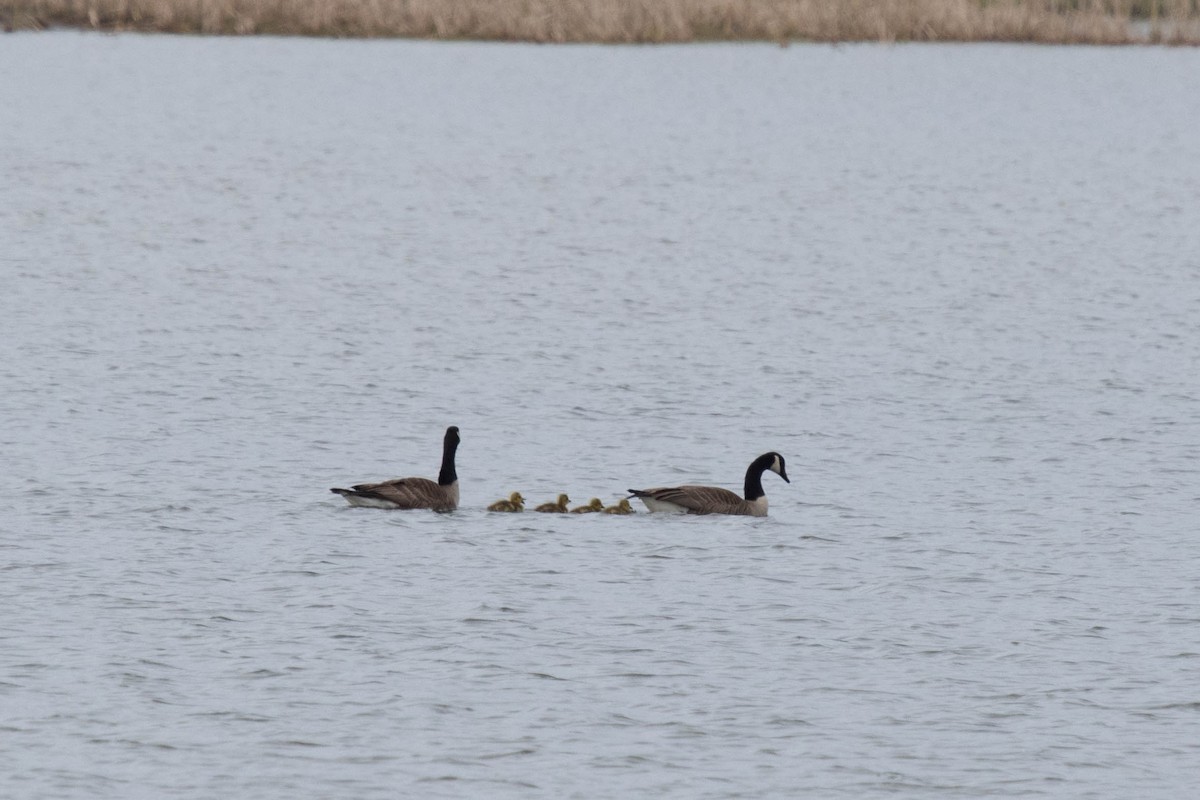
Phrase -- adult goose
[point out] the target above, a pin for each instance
(407, 493)
(713, 499)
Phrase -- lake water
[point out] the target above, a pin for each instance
(958, 287)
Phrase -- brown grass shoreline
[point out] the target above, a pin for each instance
(636, 21)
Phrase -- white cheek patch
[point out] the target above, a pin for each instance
(777, 467)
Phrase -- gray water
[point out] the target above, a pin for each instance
(958, 287)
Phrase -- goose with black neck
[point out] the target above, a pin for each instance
(714, 499)
(412, 493)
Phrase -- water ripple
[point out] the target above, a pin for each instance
(961, 319)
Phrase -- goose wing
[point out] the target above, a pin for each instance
(696, 499)
(407, 493)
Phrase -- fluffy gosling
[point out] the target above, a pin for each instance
(593, 506)
(622, 507)
(513, 504)
(555, 508)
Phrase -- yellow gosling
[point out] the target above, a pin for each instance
(555, 508)
(513, 504)
(622, 507)
(593, 506)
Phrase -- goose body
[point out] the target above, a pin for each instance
(713, 499)
(559, 507)
(514, 503)
(622, 507)
(593, 506)
(410, 493)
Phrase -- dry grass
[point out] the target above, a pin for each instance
(1048, 21)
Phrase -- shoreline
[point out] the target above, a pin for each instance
(1102, 22)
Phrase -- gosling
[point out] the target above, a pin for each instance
(555, 508)
(622, 507)
(593, 506)
(513, 504)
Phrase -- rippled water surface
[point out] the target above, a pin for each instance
(957, 287)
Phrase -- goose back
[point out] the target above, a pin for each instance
(403, 493)
(700, 500)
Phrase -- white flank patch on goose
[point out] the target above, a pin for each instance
(369, 502)
(662, 506)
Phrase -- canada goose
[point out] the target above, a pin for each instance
(412, 492)
(514, 503)
(622, 507)
(714, 500)
(555, 508)
(593, 505)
